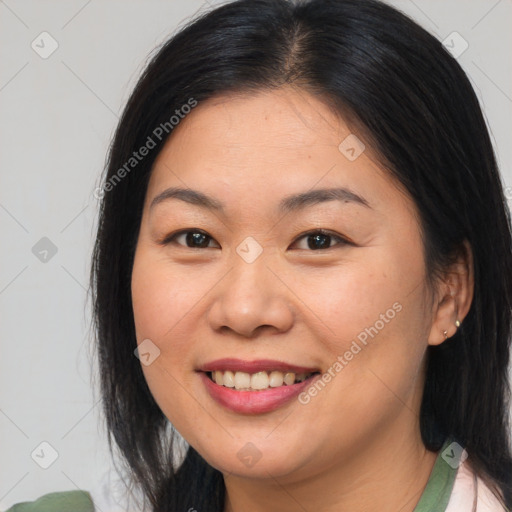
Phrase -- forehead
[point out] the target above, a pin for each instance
(287, 117)
(256, 146)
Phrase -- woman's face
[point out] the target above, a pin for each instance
(248, 293)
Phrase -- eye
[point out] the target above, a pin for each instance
(321, 238)
(193, 238)
(197, 239)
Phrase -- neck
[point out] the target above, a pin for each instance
(385, 475)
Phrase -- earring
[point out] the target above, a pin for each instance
(445, 334)
(457, 323)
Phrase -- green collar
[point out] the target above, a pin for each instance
(77, 501)
(439, 487)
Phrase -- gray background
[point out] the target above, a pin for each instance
(57, 117)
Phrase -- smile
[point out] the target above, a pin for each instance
(259, 381)
(255, 387)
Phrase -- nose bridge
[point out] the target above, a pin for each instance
(249, 275)
(250, 296)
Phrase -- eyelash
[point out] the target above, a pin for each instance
(342, 241)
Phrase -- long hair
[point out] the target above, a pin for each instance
(411, 98)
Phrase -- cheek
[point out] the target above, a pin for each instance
(163, 308)
(379, 292)
(373, 327)
(163, 297)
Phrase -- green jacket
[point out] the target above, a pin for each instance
(67, 501)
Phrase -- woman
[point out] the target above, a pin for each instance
(304, 267)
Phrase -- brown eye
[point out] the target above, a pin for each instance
(321, 239)
(191, 238)
(197, 239)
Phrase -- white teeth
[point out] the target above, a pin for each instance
(242, 380)
(289, 378)
(276, 379)
(257, 381)
(229, 379)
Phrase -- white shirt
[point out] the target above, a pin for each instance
(469, 491)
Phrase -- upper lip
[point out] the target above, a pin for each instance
(255, 366)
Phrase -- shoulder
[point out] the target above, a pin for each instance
(471, 491)
(77, 501)
(106, 494)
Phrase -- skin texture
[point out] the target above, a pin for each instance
(356, 445)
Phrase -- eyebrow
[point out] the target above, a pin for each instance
(289, 203)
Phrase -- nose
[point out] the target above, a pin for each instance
(251, 298)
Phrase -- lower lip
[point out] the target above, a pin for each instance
(254, 402)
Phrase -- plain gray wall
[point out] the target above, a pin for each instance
(57, 117)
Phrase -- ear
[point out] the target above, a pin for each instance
(454, 297)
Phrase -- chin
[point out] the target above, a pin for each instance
(254, 459)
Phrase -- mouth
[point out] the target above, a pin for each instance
(259, 381)
(255, 387)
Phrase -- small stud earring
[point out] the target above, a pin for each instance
(445, 334)
(457, 323)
